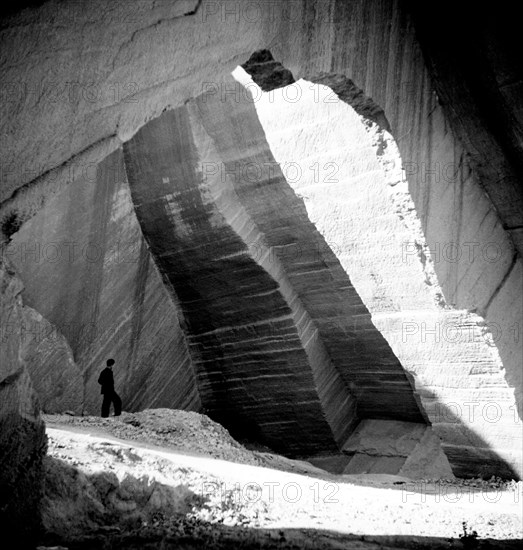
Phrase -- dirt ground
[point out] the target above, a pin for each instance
(174, 479)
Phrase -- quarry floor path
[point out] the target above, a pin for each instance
(252, 499)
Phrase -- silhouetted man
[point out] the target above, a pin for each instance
(110, 396)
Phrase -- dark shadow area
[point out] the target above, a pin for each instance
(98, 506)
(10, 8)
(244, 430)
(469, 454)
(10, 225)
(475, 66)
(199, 535)
(472, 58)
(22, 446)
(266, 72)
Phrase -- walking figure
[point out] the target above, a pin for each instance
(106, 380)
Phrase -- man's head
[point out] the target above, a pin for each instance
(110, 363)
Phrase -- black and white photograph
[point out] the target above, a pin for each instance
(261, 275)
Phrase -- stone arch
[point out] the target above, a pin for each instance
(450, 351)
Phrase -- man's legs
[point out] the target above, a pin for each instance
(106, 405)
(117, 403)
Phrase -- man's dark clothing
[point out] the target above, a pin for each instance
(110, 396)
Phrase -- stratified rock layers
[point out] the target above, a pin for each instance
(358, 199)
(88, 271)
(22, 433)
(399, 448)
(49, 360)
(360, 353)
(260, 363)
(279, 338)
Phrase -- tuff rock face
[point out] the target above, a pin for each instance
(23, 441)
(391, 447)
(271, 217)
(104, 295)
(360, 204)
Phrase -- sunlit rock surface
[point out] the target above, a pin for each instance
(358, 199)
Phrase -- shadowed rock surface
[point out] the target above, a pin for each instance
(23, 442)
(104, 294)
(399, 448)
(49, 360)
(266, 72)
